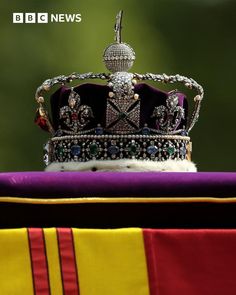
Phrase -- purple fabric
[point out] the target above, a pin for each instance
(117, 184)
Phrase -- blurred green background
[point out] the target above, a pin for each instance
(196, 38)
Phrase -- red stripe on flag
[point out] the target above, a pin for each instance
(152, 261)
(191, 262)
(68, 262)
(38, 261)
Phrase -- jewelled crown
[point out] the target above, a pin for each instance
(123, 123)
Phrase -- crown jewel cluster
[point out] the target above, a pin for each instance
(121, 136)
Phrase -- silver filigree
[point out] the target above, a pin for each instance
(75, 116)
(81, 148)
(187, 82)
(169, 117)
(121, 85)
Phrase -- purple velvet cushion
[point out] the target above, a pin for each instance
(117, 184)
(97, 214)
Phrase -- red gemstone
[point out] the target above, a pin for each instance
(41, 122)
(74, 117)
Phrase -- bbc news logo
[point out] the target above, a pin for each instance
(44, 18)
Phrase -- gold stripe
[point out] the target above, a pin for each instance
(53, 261)
(15, 264)
(111, 261)
(88, 200)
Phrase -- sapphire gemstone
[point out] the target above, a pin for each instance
(146, 131)
(152, 149)
(75, 150)
(113, 150)
(99, 130)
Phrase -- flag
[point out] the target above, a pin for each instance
(129, 261)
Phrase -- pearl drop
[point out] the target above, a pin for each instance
(197, 98)
(188, 85)
(136, 96)
(111, 94)
(40, 99)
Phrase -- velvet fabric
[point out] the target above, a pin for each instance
(95, 96)
(117, 184)
(145, 214)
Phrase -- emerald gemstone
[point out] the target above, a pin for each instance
(93, 148)
(122, 115)
(60, 151)
(170, 150)
(133, 149)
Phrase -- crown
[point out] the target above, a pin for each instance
(122, 125)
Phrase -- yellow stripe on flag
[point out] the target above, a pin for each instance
(53, 261)
(15, 264)
(111, 262)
